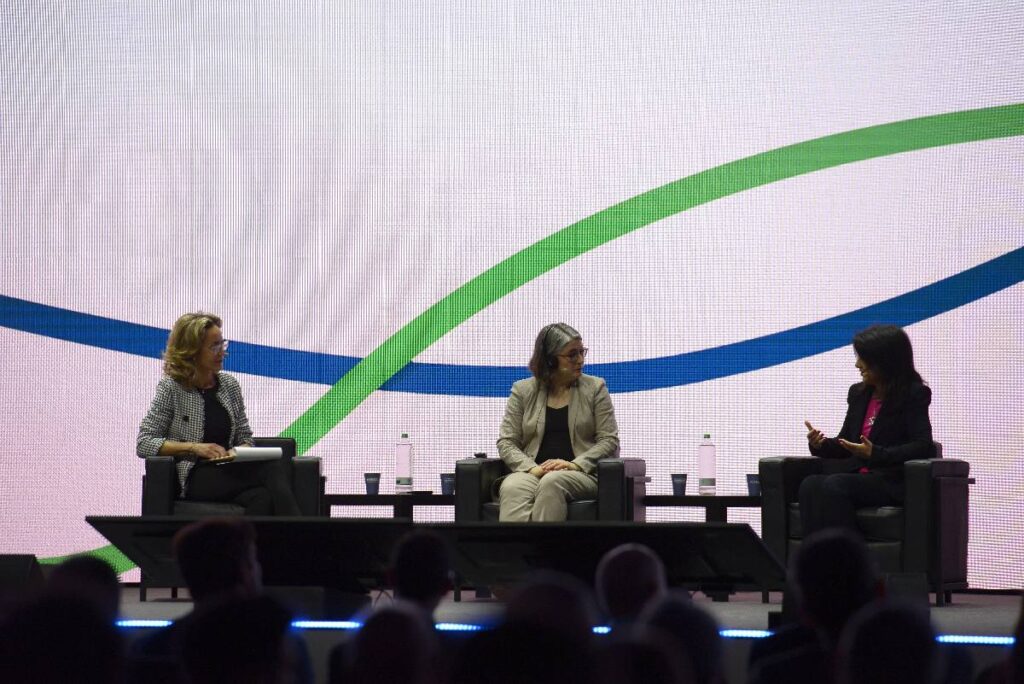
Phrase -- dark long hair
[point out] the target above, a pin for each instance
(886, 350)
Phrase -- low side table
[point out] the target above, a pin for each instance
(401, 504)
(715, 507)
(715, 511)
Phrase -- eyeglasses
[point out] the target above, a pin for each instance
(576, 354)
(218, 347)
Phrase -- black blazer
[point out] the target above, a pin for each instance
(902, 432)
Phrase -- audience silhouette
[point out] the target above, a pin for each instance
(90, 578)
(832, 576)
(627, 579)
(217, 559)
(693, 631)
(847, 633)
(60, 640)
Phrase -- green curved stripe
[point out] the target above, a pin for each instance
(644, 209)
(606, 225)
(117, 560)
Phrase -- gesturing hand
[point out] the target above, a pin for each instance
(863, 449)
(814, 436)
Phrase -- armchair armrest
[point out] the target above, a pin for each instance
(780, 485)
(615, 487)
(936, 516)
(303, 472)
(473, 480)
(784, 474)
(308, 485)
(159, 486)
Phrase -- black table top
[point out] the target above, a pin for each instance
(727, 500)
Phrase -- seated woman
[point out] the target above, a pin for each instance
(198, 416)
(886, 424)
(557, 426)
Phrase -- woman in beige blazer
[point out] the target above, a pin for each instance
(557, 426)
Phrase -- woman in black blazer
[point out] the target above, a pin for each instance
(886, 425)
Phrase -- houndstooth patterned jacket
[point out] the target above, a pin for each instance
(177, 414)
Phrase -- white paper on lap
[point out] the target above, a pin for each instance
(244, 454)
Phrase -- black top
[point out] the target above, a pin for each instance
(556, 442)
(216, 421)
(902, 432)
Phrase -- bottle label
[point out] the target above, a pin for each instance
(707, 482)
(403, 481)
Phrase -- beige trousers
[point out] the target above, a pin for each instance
(524, 497)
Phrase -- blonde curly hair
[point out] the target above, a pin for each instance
(184, 344)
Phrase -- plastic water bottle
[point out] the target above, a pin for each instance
(403, 465)
(706, 467)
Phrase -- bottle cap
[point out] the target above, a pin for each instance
(707, 436)
(405, 435)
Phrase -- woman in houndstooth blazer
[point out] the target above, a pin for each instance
(198, 416)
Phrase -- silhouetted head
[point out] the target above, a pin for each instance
(58, 639)
(628, 578)
(521, 653)
(90, 578)
(834, 577)
(239, 639)
(396, 644)
(888, 643)
(559, 603)
(421, 568)
(218, 556)
(639, 654)
(695, 632)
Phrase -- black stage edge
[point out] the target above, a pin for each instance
(352, 555)
(710, 557)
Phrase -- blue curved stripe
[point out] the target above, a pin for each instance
(494, 381)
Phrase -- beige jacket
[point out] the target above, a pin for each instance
(592, 428)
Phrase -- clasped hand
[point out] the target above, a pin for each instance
(551, 465)
(816, 438)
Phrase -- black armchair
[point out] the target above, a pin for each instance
(160, 485)
(621, 485)
(160, 490)
(927, 535)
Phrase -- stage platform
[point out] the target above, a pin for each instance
(349, 556)
(970, 614)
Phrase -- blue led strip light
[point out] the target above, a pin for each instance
(348, 625)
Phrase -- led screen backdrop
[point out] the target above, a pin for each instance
(386, 201)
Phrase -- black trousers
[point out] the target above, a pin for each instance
(261, 487)
(832, 500)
